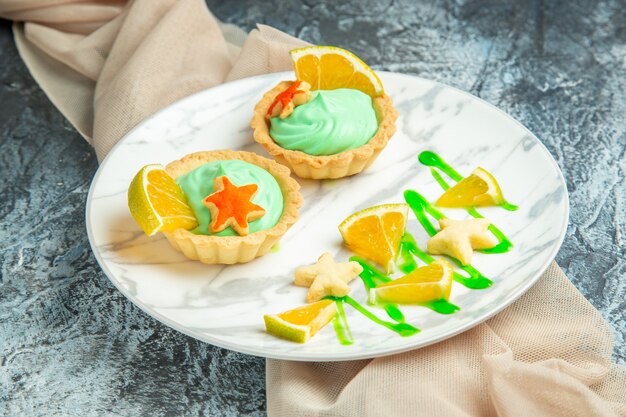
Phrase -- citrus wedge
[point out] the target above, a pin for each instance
(300, 324)
(477, 190)
(428, 283)
(375, 232)
(329, 68)
(157, 203)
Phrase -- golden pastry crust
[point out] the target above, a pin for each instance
(235, 249)
(343, 164)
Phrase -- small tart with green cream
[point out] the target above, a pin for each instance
(325, 138)
(244, 203)
(332, 122)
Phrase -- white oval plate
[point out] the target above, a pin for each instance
(224, 305)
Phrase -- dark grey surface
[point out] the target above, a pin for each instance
(71, 345)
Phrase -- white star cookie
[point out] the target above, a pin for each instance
(459, 238)
(327, 277)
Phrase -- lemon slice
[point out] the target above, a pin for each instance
(479, 189)
(376, 232)
(300, 324)
(428, 283)
(329, 68)
(157, 203)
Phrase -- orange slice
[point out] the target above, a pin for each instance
(478, 190)
(375, 232)
(428, 283)
(329, 68)
(157, 203)
(300, 324)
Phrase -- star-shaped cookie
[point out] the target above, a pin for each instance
(459, 238)
(327, 277)
(297, 94)
(232, 206)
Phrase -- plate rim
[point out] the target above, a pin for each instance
(293, 355)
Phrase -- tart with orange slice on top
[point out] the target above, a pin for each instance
(218, 207)
(332, 121)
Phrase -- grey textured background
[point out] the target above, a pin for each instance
(71, 345)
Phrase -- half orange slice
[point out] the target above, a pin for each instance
(376, 232)
(329, 68)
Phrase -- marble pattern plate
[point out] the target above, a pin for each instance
(224, 305)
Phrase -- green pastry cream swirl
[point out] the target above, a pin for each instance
(198, 184)
(333, 121)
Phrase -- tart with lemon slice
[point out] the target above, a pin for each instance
(332, 122)
(218, 207)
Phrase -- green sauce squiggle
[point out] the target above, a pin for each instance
(340, 323)
(410, 251)
(403, 329)
(420, 207)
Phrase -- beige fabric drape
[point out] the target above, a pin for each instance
(546, 355)
(108, 65)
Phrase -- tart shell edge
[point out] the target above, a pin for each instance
(235, 249)
(340, 165)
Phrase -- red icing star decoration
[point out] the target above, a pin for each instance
(296, 94)
(232, 206)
